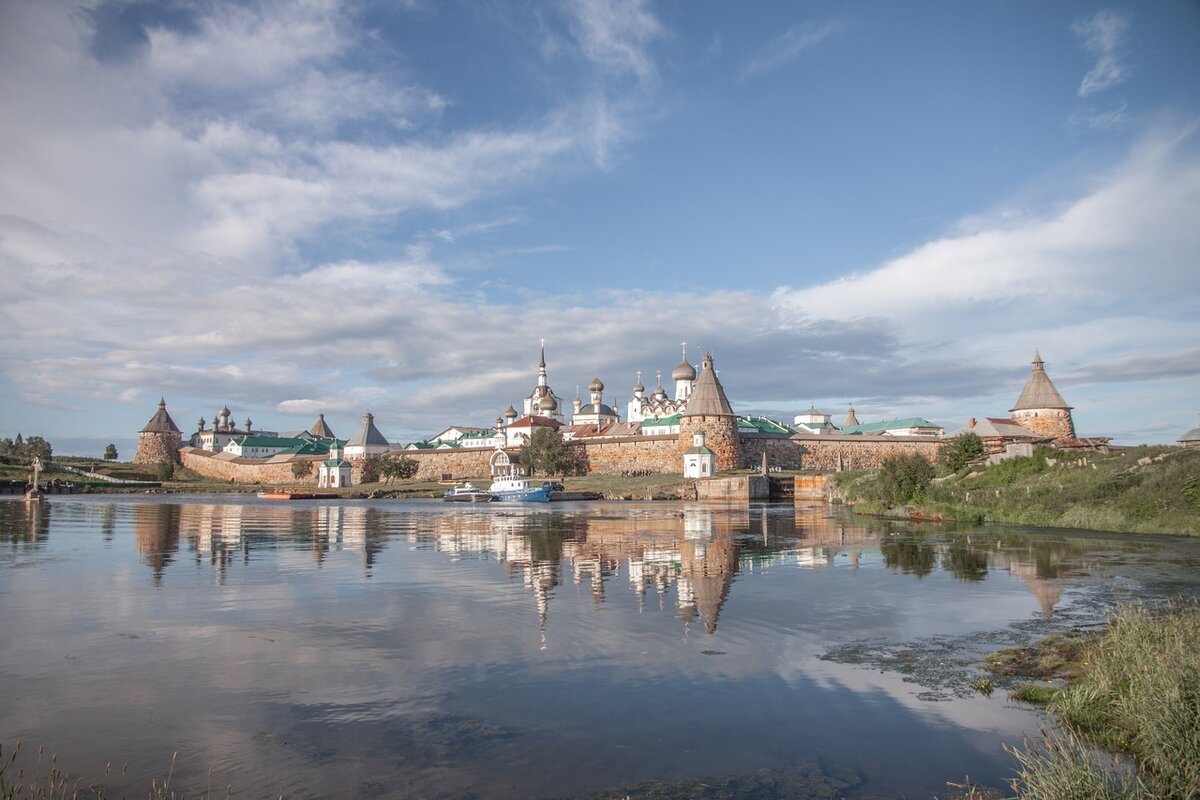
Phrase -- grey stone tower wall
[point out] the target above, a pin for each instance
(1056, 422)
(155, 448)
(720, 436)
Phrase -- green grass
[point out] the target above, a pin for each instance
(1110, 492)
(1064, 767)
(1039, 694)
(1138, 694)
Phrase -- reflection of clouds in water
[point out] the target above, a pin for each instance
(331, 666)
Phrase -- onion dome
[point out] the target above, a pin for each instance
(683, 372)
(638, 388)
(596, 385)
(510, 412)
(548, 403)
(659, 393)
(499, 422)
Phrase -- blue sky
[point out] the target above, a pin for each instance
(314, 206)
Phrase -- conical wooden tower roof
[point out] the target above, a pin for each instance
(161, 422)
(708, 397)
(1039, 392)
(321, 428)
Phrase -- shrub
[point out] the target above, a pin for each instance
(404, 468)
(960, 450)
(904, 479)
(165, 470)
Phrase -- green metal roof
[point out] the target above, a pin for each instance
(878, 427)
(659, 422)
(763, 425)
(268, 441)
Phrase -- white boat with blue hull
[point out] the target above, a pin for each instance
(468, 493)
(519, 490)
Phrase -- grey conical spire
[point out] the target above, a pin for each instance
(708, 396)
(161, 422)
(1039, 392)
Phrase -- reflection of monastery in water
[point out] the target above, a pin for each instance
(681, 558)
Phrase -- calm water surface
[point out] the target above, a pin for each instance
(422, 649)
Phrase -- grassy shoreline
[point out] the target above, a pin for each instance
(1133, 689)
(1138, 490)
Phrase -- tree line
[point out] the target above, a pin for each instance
(23, 449)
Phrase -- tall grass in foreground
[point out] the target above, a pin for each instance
(1139, 693)
(49, 782)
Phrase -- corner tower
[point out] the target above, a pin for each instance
(160, 440)
(1040, 408)
(708, 412)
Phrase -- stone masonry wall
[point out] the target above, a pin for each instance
(862, 452)
(433, 464)
(1055, 422)
(657, 454)
(784, 453)
(155, 448)
(245, 470)
(720, 436)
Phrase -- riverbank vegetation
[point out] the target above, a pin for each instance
(1133, 689)
(1137, 490)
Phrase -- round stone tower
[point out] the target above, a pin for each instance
(1041, 409)
(708, 411)
(160, 440)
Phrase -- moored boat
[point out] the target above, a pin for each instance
(519, 490)
(297, 496)
(467, 493)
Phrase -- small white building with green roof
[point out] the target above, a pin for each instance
(334, 472)
(698, 460)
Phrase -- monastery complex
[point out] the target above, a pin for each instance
(692, 431)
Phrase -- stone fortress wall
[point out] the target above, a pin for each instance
(246, 470)
(654, 454)
(155, 448)
(1055, 423)
(1039, 409)
(833, 453)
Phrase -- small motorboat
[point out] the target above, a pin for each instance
(519, 490)
(467, 493)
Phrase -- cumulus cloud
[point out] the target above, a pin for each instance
(1016, 277)
(955, 318)
(788, 46)
(1102, 35)
(225, 136)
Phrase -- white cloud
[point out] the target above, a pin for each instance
(788, 46)
(1101, 118)
(615, 34)
(1103, 34)
(1084, 261)
(224, 137)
